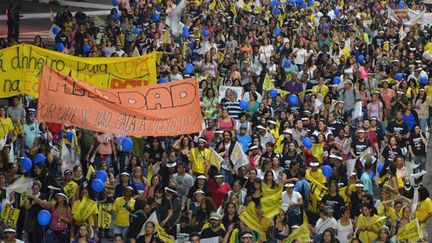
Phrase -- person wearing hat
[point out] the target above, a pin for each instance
(214, 228)
(243, 137)
(292, 201)
(169, 168)
(359, 145)
(122, 208)
(265, 136)
(254, 155)
(9, 236)
(30, 129)
(199, 157)
(218, 188)
(70, 186)
(247, 237)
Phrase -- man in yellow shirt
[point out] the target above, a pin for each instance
(70, 186)
(122, 207)
(199, 158)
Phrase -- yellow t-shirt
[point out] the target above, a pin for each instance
(198, 159)
(122, 215)
(424, 209)
(367, 236)
(317, 175)
(6, 126)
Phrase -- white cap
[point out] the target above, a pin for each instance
(9, 230)
(361, 130)
(334, 156)
(261, 127)
(289, 185)
(358, 184)
(199, 191)
(247, 235)
(288, 130)
(215, 216)
(170, 190)
(171, 164)
(314, 164)
(124, 174)
(272, 122)
(201, 177)
(62, 194)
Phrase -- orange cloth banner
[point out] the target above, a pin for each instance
(159, 110)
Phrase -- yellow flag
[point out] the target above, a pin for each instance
(215, 159)
(233, 9)
(159, 55)
(222, 6)
(271, 201)
(411, 231)
(281, 19)
(212, 5)
(318, 151)
(165, 39)
(258, 10)
(90, 171)
(268, 85)
(301, 233)
(250, 217)
(150, 173)
(163, 235)
(104, 217)
(247, 7)
(318, 190)
(9, 216)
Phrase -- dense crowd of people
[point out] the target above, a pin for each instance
(330, 103)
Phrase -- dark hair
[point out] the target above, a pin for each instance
(332, 234)
(423, 193)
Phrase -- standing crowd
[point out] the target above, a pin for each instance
(317, 117)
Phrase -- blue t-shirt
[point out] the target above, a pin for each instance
(245, 140)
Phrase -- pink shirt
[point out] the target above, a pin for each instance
(387, 95)
(104, 140)
(56, 223)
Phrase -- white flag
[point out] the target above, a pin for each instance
(21, 185)
(153, 218)
(238, 157)
(173, 19)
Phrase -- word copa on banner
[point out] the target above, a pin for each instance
(21, 67)
(158, 110)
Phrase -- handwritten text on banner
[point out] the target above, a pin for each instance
(157, 110)
(21, 67)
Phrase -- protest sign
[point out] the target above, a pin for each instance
(225, 91)
(21, 67)
(158, 110)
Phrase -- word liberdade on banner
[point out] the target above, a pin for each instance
(21, 67)
(157, 110)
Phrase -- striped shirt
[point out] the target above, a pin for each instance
(234, 109)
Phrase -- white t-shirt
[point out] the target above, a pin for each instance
(321, 225)
(289, 200)
(265, 53)
(301, 55)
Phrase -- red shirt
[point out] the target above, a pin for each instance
(218, 192)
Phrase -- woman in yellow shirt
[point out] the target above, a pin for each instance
(367, 225)
(424, 208)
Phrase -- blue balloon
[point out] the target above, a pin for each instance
(311, 2)
(327, 171)
(56, 30)
(293, 100)
(158, 8)
(277, 31)
(287, 63)
(292, 2)
(163, 80)
(380, 168)
(325, 26)
(115, 3)
(244, 104)
(274, 3)
(273, 93)
(59, 46)
(98, 185)
(86, 48)
(155, 17)
(276, 12)
(372, 174)
(44, 217)
(206, 33)
(337, 80)
(336, 11)
(423, 79)
(307, 143)
(304, 5)
(399, 76)
(136, 31)
(186, 33)
(69, 136)
(117, 16)
(401, 4)
(189, 68)
(39, 158)
(360, 59)
(101, 175)
(26, 163)
(127, 144)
